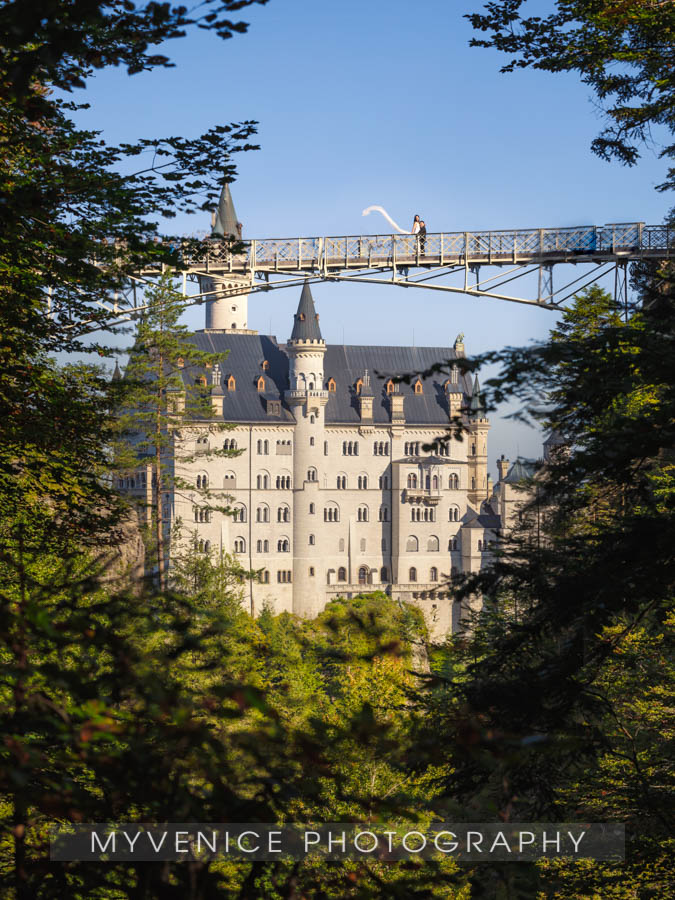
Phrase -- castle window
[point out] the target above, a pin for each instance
(229, 481)
(239, 513)
(265, 365)
(202, 482)
(311, 509)
(433, 545)
(231, 383)
(201, 381)
(412, 575)
(384, 574)
(262, 513)
(453, 484)
(283, 546)
(311, 571)
(311, 474)
(311, 420)
(384, 482)
(363, 545)
(331, 385)
(331, 513)
(262, 481)
(384, 514)
(325, 448)
(363, 575)
(260, 384)
(342, 482)
(418, 387)
(412, 544)
(284, 514)
(283, 482)
(312, 540)
(342, 574)
(229, 444)
(263, 546)
(389, 386)
(454, 514)
(311, 442)
(363, 482)
(180, 362)
(265, 576)
(434, 482)
(362, 514)
(341, 545)
(359, 385)
(433, 574)
(239, 545)
(412, 480)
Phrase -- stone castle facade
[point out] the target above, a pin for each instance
(333, 491)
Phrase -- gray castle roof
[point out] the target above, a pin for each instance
(521, 470)
(226, 218)
(242, 355)
(306, 321)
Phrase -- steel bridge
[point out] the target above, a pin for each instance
(444, 261)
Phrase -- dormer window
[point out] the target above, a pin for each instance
(265, 365)
(418, 387)
(261, 384)
(231, 383)
(359, 385)
(180, 362)
(301, 317)
(389, 387)
(331, 385)
(201, 381)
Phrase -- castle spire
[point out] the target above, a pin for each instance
(477, 407)
(306, 321)
(226, 223)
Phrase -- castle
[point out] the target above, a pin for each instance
(334, 493)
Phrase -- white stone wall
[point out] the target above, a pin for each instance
(350, 543)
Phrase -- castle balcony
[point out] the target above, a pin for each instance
(422, 495)
(300, 396)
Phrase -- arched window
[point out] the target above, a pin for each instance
(331, 513)
(311, 509)
(362, 514)
(384, 574)
(260, 384)
(325, 448)
(312, 540)
(342, 574)
(229, 444)
(455, 544)
(311, 570)
(433, 544)
(265, 576)
(433, 574)
(363, 575)
(262, 481)
(384, 482)
(412, 544)
(454, 514)
(231, 383)
(383, 515)
(359, 385)
(311, 442)
(454, 482)
(284, 513)
(311, 418)
(342, 482)
(239, 513)
(480, 545)
(265, 365)
(412, 575)
(363, 482)
(418, 387)
(389, 386)
(262, 513)
(239, 545)
(311, 474)
(412, 480)
(331, 385)
(434, 482)
(283, 545)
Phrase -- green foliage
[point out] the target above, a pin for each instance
(622, 50)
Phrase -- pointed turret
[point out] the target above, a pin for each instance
(117, 374)
(477, 407)
(226, 223)
(306, 321)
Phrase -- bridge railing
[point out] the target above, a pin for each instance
(442, 248)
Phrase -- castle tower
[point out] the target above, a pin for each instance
(307, 398)
(228, 311)
(478, 428)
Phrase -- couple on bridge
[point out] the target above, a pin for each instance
(419, 228)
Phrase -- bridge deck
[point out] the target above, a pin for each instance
(538, 246)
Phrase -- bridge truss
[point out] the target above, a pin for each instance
(524, 259)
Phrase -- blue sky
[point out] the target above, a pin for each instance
(383, 102)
